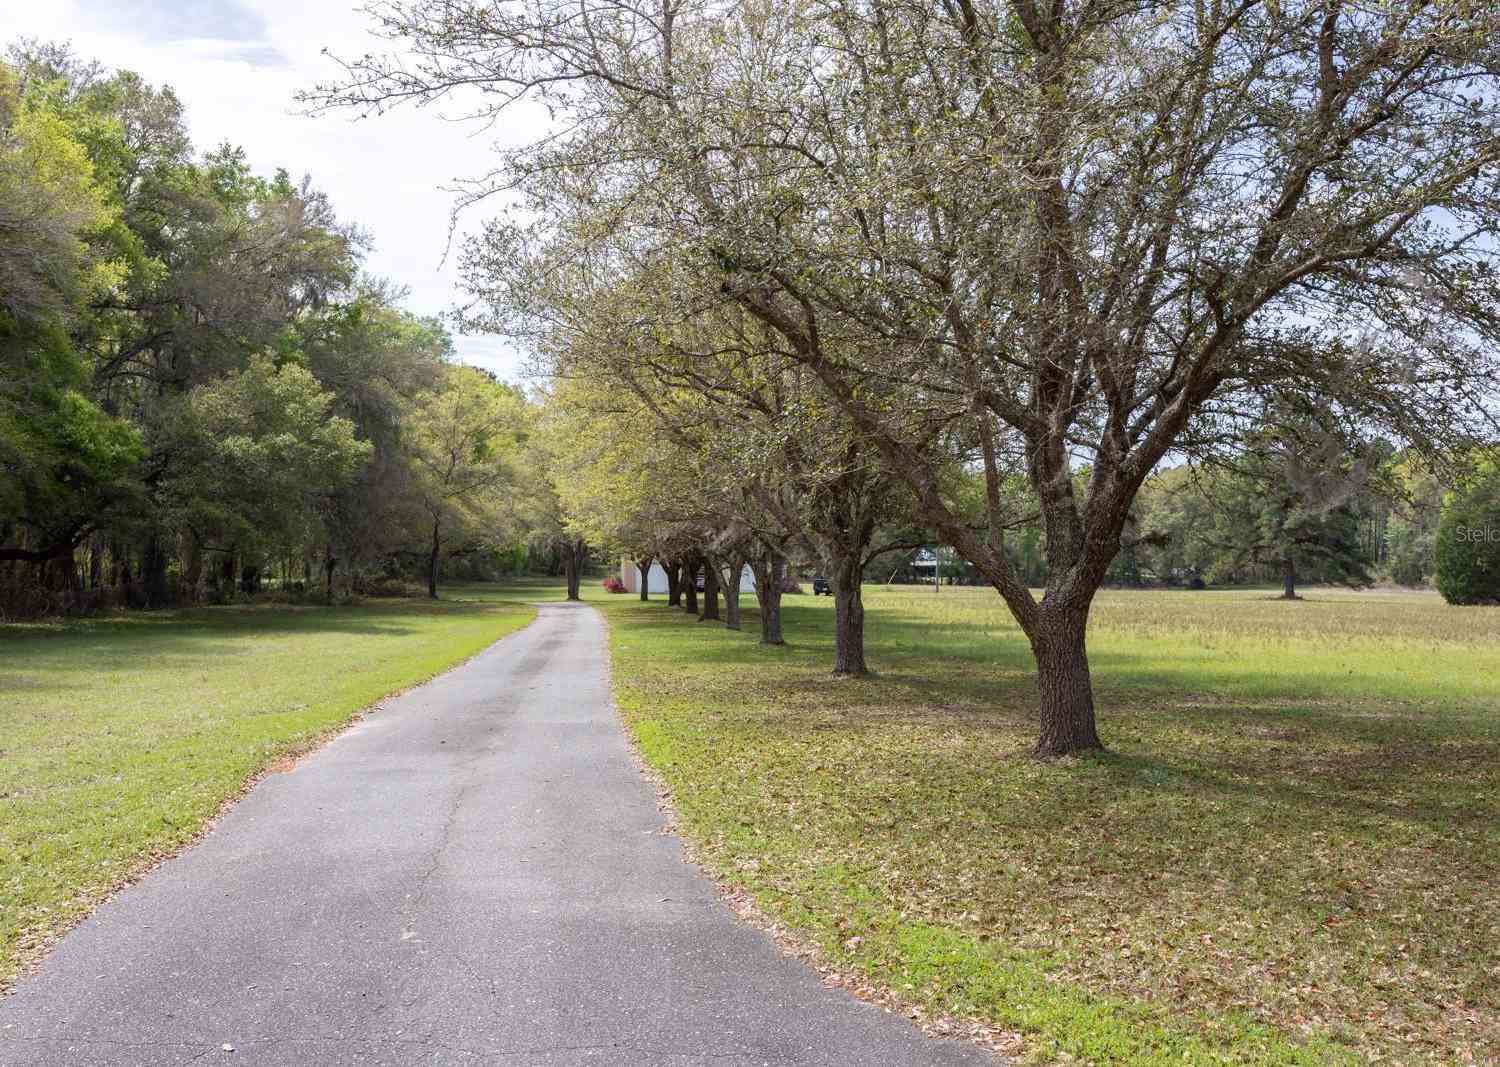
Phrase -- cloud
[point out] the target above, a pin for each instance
(256, 55)
(229, 21)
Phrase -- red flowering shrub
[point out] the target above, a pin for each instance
(612, 584)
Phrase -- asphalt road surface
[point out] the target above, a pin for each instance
(475, 873)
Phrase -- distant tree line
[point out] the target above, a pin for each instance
(1335, 514)
(200, 390)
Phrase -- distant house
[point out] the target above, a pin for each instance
(926, 565)
(656, 578)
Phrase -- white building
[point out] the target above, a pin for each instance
(656, 578)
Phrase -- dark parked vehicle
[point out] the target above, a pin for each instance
(820, 585)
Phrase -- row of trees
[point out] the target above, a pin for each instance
(835, 247)
(1295, 510)
(198, 385)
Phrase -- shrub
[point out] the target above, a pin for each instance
(612, 584)
(1467, 553)
(789, 584)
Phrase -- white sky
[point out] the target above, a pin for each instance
(236, 65)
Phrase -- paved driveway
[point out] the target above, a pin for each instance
(473, 874)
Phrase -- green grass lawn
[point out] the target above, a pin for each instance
(121, 736)
(1291, 854)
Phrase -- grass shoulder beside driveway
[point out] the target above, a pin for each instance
(121, 736)
(1291, 854)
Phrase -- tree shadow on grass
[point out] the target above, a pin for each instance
(1321, 787)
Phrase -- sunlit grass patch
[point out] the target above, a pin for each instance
(120, 736)
(1290, 855)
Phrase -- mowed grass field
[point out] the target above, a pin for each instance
(1290, 855)
(121, 736)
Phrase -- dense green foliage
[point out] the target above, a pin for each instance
(199, 388)
(1467, 550)
(62, 455)
(1252, 522)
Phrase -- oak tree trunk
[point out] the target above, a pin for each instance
(710, 591)
(573, 553)
(768, 571)
(154, 572)
(192, 571)
(674, 584)
(1067, 692)
(1288, 579)
(847, 579)
(736, 567)
(224, 581)
(690, 586)
(432, 559)
(119, 578)
(644, 567)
